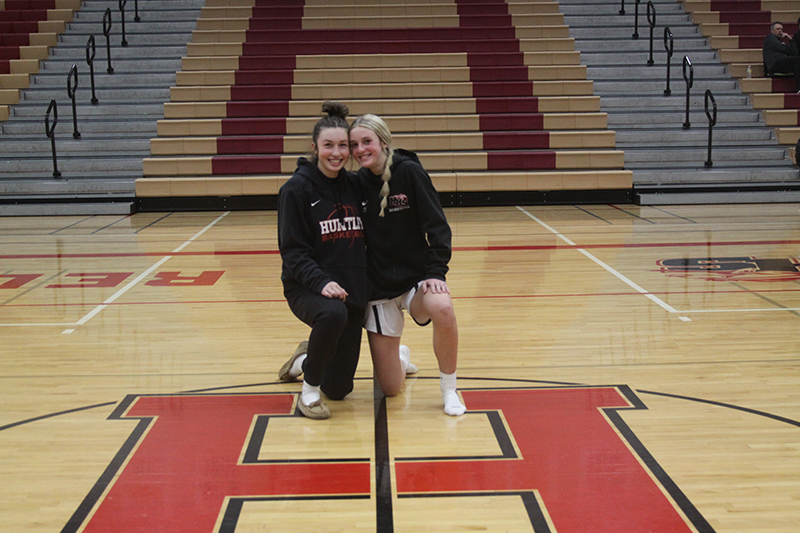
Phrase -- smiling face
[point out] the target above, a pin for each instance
(333, 151)
(368, 149)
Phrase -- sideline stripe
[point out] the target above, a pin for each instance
(455, 249)
(622, 278)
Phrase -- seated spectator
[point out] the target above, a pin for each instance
(780, 54)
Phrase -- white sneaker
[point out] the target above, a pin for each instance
(405, 359)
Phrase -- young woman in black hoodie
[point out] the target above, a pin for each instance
(321, 240)
(408, 248)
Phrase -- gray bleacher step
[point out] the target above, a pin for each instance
(35, 110)
(681, 47)
(92, 25)
(136, 94)
(646, 118)
(605, 32)
(75, 207)
(695, 135)
(698, 57)
(119, 55)
(717, 197)
(616, 102)
(65, 128)
(67, 185)
(46, 80)
(144, 7)
(654, 73)
(173, 39)
(591, 9)
(641, 155)
(37, 146)
(61, 66)
(645, 87)
(86, 164)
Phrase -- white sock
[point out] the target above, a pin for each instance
(405, 361)
(310, 394)
(452, 403)
(297, 366)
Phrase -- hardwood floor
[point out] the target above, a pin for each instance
(632, 366)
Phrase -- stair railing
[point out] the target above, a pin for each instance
(50, 131)
(636, 20)
(107, 33)
(689, 82)
(712, 121)
(90, 61)
(136, 11)
(122, 18)
(622, 8)
(71, 90)
(651, 10)
(669, 46)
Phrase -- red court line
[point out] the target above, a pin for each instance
(487, 297)
(455, 249)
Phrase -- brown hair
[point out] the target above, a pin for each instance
(336, 114)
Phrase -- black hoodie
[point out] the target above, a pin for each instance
(320, 233)
(412, 241)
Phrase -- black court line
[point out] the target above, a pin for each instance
(632, 214)
(109, 225)
(760, 294)
(72, 225)
(672, 214)
(598, 217)
(153, 223)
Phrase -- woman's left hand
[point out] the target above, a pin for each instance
(434, 286)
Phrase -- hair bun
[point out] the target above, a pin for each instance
(335, 109)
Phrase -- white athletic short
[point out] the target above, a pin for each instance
(386, 316)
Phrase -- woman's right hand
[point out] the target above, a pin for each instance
(334, 290)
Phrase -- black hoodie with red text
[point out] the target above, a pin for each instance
(320, 233)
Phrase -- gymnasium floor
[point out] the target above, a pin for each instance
(625, 368)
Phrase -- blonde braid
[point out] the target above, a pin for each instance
(386, 176)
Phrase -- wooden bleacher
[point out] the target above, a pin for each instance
(491, 95)
(736, 28)
(28, 28)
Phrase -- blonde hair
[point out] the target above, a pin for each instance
(376, 124)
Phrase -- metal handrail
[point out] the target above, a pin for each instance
(652, 22)
(107, 33)
(689, 82)
(50, 131)
(622, 8)
(636, 20)
(712, 121)
(122, 18)
(71, 90)
(670, 47)
(90, 62)
(136, 11)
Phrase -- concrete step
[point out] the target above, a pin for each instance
(65, 127)
(676, 135)
(47, 80)
(29, 185)
(77, 53)
(115, 95)
(32, 110)
(717, 174)
(82, 164)
(66, 205)
(644, 156)
(657, 101)
(624, 43)
(656, 72)
(644, 117)
(697, 57)
(35, 147)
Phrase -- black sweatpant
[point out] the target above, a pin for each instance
(789, 65)
(334, 344)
